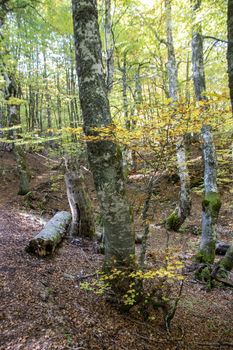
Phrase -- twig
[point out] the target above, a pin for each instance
(216, 39)
(51, 160)
(219, 344)
(78, 277)
(149, 338)
(169, 317)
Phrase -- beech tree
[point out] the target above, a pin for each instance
(109, 45)
(104, 156)
(211, 203)
(177, 218)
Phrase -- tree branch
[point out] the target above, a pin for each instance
(216, 39)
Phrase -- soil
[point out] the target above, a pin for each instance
(43, 306)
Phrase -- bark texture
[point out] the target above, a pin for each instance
(230, 48)
(19, 150)
(182, 211)
(197, 54)
(172, 67)
(23, 172)
(109, 46)
(177, 218)
(83, 223)
(211, 203)
(104, 156)
(47, 240)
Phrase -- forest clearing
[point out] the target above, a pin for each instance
(116, 163)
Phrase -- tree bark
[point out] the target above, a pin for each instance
(23, 172)
(83, 223)
(109, 46)
(197, 54)
(230, 48)
(211, 203)
(172, 68)
(47, 94)
(104, 156)
(182, 211)
(19, 151)
(47, 240)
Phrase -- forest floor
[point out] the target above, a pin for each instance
(42, 309)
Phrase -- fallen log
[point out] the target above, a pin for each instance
(47, 240)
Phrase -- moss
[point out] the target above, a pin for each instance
(173, 221)
(227, 262)
(212, 203)
(22, 191)
(204, 275)
(222, 273)
(199, 257)
(207, 254)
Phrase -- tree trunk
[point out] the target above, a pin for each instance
(197, 54)
(172, 68)
(211, 203)
(59, 106)
(19, 151)
(230, 48)
(47, 240)
(123, 69)
(109, 46)
(83, 223)
(22, 170)
(182, 211)
(177, 218)
(104, 156)
(47, 94)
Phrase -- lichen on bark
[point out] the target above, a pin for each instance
(104, 158)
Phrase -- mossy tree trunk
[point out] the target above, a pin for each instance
(24, 176)
(211, 203)
(104, 156)
(226, 263)
(182, 211)
(19, 150)
(83, 223)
